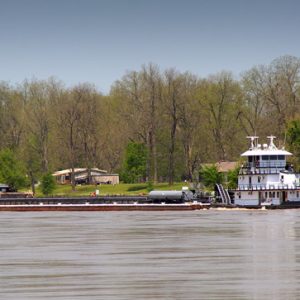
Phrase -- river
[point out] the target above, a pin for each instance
(208, 254)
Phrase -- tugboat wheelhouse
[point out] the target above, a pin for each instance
(266, 177)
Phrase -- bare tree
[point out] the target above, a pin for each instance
(152, 87)
(12, 113)
(189, 125)
(173, 82)
(222, 103)
(68, 120)
(88, 128)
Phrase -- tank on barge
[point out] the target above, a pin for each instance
(155, 201)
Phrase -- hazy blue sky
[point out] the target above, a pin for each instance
(98, 41)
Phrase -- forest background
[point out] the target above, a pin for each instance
(154, 126)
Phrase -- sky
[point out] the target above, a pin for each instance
(98, 41)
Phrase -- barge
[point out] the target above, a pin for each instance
(155, 201)
(105, 207)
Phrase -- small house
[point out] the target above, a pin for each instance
(81, 176)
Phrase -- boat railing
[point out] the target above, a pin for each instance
(259, 187)
(260, 171)
(223, 194)
(262, 164)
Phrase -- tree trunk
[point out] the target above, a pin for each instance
(73, 178)
(32, 182)
(45, 164)
(154, 160)
(172, 146)
(89, 174)
(72, 160)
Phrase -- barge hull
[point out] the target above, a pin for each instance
(113, 207)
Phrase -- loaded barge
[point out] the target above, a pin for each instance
(155, 201)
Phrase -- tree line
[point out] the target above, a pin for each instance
(154, 125)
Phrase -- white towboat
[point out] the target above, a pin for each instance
(266, 178)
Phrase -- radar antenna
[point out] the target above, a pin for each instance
(253, 141)
(272, 145)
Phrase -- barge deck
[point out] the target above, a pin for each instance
(109, 203)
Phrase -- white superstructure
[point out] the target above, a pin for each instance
(265, 177)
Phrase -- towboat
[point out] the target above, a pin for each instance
(265, 178)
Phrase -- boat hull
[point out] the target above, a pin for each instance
(105, 207)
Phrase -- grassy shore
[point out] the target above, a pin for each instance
(107, 189)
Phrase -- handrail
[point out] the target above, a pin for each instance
(251, 187)
(260, 164)
(260, 171)
(224, 194)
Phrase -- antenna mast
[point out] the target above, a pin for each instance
(253, 141)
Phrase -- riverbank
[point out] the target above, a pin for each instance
(127, 189)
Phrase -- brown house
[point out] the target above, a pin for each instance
(223, 166)
(226, 166)
(81, 176)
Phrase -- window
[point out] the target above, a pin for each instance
(273, 157)
(265, 157)
(277, 194)
(258, 179)
(266, 194)
(281, 157)
(297, 194)
(270, 194)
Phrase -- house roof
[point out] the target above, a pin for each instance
(77, 170)
(226, 166)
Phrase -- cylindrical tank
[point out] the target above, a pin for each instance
(163, 195)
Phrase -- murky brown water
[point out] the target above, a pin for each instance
(150, 255)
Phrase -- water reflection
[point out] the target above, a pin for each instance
(150, 255)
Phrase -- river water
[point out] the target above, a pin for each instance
(208, 254)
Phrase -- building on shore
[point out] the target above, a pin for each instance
(4, 188)
(82, 174)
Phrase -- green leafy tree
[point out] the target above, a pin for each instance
(12, 171)
(293, 140)
(211, 176)
(150, 186)
(135, 163)
(232, 178)
(47, 184)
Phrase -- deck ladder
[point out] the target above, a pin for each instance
(223, 194)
